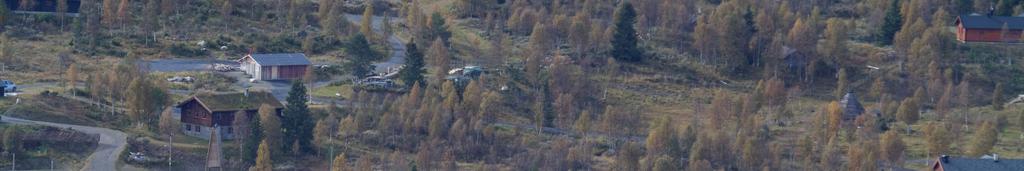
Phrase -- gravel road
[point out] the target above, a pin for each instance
(111, 143)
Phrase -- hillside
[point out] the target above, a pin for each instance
(561, 84)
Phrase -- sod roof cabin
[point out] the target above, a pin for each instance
(201, 112)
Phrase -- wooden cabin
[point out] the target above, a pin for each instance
(986, 28)
(200, 113)
(278, 66)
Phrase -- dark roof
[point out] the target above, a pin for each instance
(991, 22)
(280, 59)
(851, 106)
(965, 164)
(220, 102)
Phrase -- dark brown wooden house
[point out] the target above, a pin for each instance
(200, 113)
(985, 28)
(278, 66)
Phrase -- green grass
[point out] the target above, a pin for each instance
(331, 91)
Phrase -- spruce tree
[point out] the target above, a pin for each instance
(893, 23)
(252, 141)
(360, 56)
(624, 39)
(413, 71)
(298, 125)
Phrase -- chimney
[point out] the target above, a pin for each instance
(944, 159)
(991, 10)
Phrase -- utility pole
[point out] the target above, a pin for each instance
(170, 148)
(14, 161)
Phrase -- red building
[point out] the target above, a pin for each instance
(982, 28)
(201, 112)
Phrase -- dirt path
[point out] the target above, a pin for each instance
(111, 144)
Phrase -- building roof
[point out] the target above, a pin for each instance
(220, 102)
(991, 22)
(280, 59)
(851, 106)
(966, 164)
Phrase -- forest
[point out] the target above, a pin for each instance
(565, 84)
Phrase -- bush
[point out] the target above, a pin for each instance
(180, 49)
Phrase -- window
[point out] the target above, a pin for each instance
(230, 130)
(188, 127)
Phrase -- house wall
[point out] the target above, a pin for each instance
(291, 72)
(987, 35)
(194, 113)
(251, 67)
(266, 73)
(199, 131)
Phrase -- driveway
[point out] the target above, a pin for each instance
(179, 65)
(105, 157)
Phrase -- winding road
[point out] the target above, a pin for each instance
(111, 144)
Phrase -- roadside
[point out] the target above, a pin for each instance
(107, 154)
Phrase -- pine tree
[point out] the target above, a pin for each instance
(324, 10)
(908, 112)
(298, 125)
(12, 140)
(892, 148)
(834, 46)
(662, 140)
(984, 139)
(240, 126)
(321, 132)
(414, 69)
(225, 10)
(366, 27)
(340, 163)
(71, 77)
(624, 41)
(168, 125)
(841, 83)
(997, 97)
(263, 161)
(361, 54)
(937, 139)
(271, 124)
(893, 23)
(438, 53)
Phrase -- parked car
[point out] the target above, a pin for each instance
(9, 86)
